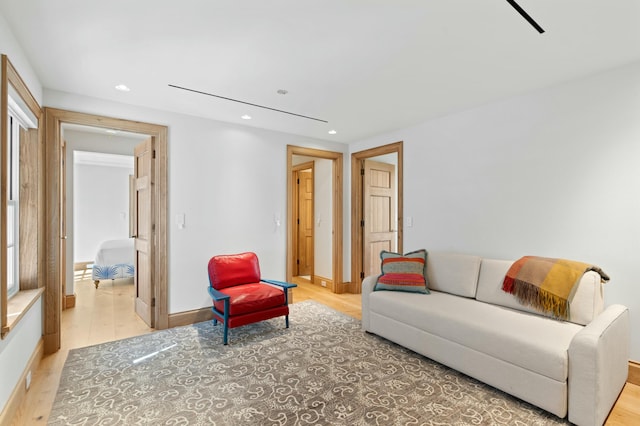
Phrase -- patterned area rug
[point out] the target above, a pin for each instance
(323, 370)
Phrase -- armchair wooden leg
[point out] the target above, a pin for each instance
(225, 336)
(215, 318)
(226, 321)
(286, 321)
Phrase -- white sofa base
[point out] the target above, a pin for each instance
(548, 394)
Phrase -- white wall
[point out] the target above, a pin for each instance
(229, 181)
(101, 209)
(16, 350)
(9, 46)
(18, 346)
(553, 173)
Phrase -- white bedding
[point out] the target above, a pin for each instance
(113, 252)
(115, 259)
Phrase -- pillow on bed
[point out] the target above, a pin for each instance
(403, 272)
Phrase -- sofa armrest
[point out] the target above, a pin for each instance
(367, 288)
(598, 366)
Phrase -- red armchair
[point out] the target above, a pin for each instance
(240, 296)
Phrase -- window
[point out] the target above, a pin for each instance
(13, 201)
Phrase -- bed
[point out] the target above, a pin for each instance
(114, 260)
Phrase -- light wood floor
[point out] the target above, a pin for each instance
(107, 314)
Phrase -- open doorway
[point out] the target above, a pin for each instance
(99, 258)
(155, 159)
(98, 237)
(99, 163)
(314, 250)
(376, 221)
(304, 232)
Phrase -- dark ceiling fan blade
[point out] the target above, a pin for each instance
(526, 16)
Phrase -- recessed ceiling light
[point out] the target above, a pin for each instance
(111, 131)
(122, 88)
(332, 132)
(282, 91)
(246, 117)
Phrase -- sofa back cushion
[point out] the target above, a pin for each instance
(587, 302)
(453, 273)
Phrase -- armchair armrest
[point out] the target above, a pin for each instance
(279, 283)
(285, 287)
(598, 366)
(217, 295)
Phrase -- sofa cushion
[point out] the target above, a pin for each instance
(453, 273)
(533, 342)
(403, 272)
(253, 297)
(585, 305)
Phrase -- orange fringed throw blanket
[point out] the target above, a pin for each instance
(547, 284)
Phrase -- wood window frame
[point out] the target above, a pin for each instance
(14, 309)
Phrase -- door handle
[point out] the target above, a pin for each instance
(63, 238)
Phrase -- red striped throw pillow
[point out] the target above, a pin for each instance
(403, 272)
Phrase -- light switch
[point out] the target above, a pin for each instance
(180, 220)
(409, 221)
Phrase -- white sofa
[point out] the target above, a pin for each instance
(468, 323)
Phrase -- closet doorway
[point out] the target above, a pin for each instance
(315, 245)
(303, 220)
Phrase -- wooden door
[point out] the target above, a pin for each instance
(305, 222)
(379, 199)
(144, 231)
(63, 222)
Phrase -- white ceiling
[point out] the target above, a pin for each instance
(120, 134)
(103, 159)
(365, 66)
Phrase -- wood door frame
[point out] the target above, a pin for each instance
(63, 222)
(296, 211)
(357, 210)
(53, 121)
(337, 253)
